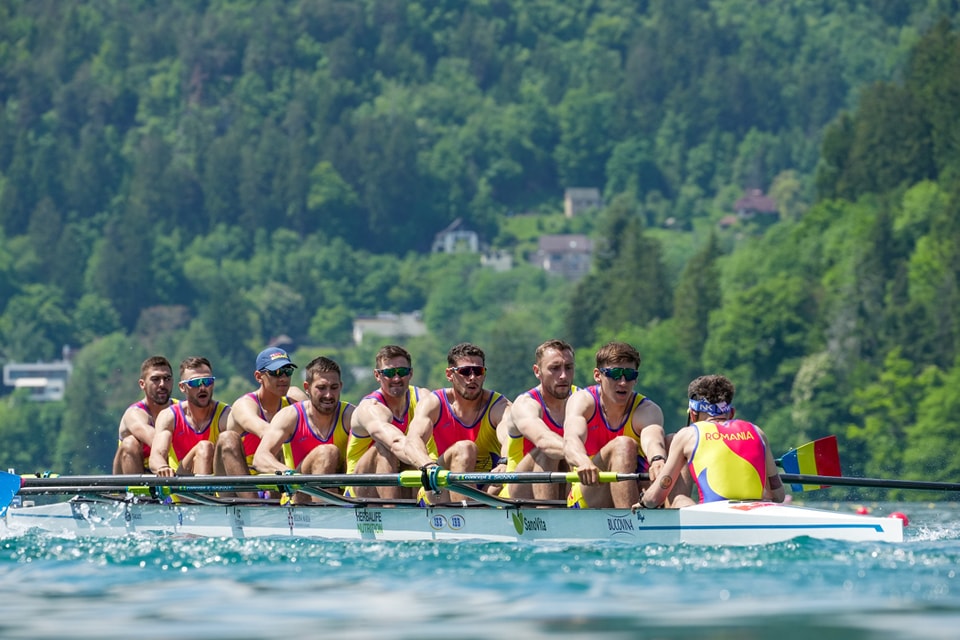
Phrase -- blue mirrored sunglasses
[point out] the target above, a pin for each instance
(282, 372)
(615, 373)
(468, 370)
(196, 383)
(395, 371)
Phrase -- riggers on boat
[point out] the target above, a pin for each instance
(122, 505)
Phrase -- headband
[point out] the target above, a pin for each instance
(702, 406)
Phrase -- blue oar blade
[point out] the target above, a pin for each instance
(9, 486)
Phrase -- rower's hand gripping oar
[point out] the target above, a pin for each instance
(818, 458)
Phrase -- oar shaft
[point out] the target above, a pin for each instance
(233, 483)
(882, 483)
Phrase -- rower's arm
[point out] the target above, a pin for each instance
(162, 441)
(527, 413)
(774, 490)
(579, 406)
(420, 430)
(375, 419)
(648, 424)
(245, 417)
(137, 422)
(266, 459)
(658, 490)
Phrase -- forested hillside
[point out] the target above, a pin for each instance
(200, 177)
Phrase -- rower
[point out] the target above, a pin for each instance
(187, 432)
(461, 421)
(376, 432)
(729, 459)
(532, 430)
(611, 427)
(136, 430)
(251, 413)
(311, 434)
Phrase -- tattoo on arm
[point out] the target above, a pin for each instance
(666, 482)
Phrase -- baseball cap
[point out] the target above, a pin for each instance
(272, 359)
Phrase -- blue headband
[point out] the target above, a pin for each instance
(702, 406)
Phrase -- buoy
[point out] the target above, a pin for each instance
(863, 511)
(903, 517)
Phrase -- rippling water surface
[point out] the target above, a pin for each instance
(161, 587)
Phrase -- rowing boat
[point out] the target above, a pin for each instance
(122, 505)
(715, 523)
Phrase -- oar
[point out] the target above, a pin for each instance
(819, 458)
(10, 484)
(882, 483)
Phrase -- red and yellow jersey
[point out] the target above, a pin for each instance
(358, 445)
(600, 432)
(449, 429)
(305, 439)
(186, 436)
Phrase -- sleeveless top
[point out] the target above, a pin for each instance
(728, 461)
(358, 445)
(142, 405)
(449, 429)
(251, 440)
(304, 439)
(600, 432)
(519, 446)
(186, 437)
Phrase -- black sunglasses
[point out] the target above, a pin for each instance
(468, 370)
(282, 372)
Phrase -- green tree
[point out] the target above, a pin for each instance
(88, 438)
(697, 294)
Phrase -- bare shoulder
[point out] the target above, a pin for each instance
(525, 406)
(296, 394)
(422, 392)
(581, 402)
(648, 413)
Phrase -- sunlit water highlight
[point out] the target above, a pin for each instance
(161, 587)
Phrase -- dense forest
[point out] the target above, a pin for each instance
(201, 177)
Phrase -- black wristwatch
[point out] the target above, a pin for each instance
(657, 457)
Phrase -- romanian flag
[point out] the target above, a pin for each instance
(818, 458)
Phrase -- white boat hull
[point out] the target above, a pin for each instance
(719, 523)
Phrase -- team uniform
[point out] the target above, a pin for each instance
(519, 446)
(736, 453)
(358, 445)
(251, 440)
(449, 429)
(600, 432)
(142, 406)
(305, 439)
(186, 437)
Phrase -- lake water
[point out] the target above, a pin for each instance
(152, 587)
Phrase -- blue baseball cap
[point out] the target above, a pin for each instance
(272, 359)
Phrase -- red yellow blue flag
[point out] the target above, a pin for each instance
(818, 458)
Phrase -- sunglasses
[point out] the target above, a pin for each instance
(196, 383)
(282, 372)
(615, 373)
(395, 371)
(468, 370)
